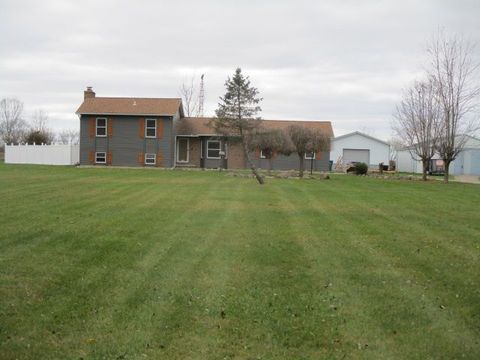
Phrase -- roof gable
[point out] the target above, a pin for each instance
(361, 134)
(130, 106)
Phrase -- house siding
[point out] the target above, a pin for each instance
(282, 162)
(125, 144)
(214, 163)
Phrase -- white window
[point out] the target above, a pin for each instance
(150, 159)
(151, 128)
(213, 149)
(101, 129)
(100, 158)
(310, 155)
(183, 150)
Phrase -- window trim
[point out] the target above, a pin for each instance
(97, 127)
(154, 159)
(105, 157)
(313, 157)
(219, 149)
(149, 127)
(188, 151)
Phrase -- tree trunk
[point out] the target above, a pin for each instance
(424, 170)
(300, 170)
(251, 164)
(447, 167)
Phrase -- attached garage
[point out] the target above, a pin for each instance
(359, 147)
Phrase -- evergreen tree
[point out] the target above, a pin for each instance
(236, 114)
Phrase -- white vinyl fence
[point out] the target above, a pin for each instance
(42, 154)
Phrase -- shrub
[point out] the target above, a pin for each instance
(361, 168)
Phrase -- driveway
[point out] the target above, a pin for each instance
(472, 179)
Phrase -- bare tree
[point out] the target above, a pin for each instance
(39, 121)
(12, 125)
(417, 122)
(68, 137)
(454, 73)
(39, 132)
(190, 98)
(271, 143)
(306, 141)
(319, 142)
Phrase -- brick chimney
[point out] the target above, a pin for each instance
(89, 93)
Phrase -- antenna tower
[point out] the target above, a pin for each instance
(201, 97)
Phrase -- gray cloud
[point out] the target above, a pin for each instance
(341, 61)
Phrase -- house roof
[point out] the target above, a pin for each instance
(200, 126)
(361, 134)
(469, 142)
(130, 106)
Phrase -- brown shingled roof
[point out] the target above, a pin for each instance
(130, 106)
(199, 126)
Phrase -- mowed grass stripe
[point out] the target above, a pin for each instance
(400, 273)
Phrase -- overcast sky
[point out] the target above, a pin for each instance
(344, 61)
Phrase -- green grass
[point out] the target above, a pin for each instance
(135, 264)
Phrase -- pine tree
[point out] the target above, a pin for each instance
(236, 114)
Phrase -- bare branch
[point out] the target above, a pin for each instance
(190, 98)
(12, 125)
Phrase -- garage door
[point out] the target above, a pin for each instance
(356, 155)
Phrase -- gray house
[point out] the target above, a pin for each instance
(127, 131)
(154, 132)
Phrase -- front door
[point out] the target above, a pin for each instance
(183, 150)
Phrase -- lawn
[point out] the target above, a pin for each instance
(136, 264)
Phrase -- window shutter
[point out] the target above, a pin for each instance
(91, 157)
(141, 159)
(110, 127)
(159, 128)
(141, 128)
(91, 127)
(109, 158)
(257, 154)
(318, 155)
(159, 162)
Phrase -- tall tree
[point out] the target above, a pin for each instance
(190, 98)
(456, 79)
(305, 141)
(39, 121)
(418, 122)
(236, 114)
(39, 132)
(12, 125)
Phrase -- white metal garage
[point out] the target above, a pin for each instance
(359, 147)
(466, 163)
